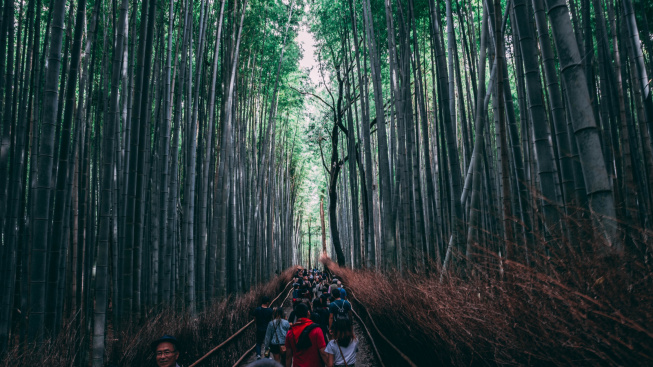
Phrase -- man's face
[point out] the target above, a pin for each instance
(166, 355)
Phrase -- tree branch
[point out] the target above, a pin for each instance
(342, 127)
(311, 94)
(342, 161)
(319, 142)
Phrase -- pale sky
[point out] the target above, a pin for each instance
(309, 60)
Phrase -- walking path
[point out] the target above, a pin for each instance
(364, 358)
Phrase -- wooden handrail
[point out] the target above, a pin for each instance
(405, 357)
(378, 355)
(250, 349)
(244, 355)
(236, 333)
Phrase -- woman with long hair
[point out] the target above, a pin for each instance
(342, 349)
(275, 336)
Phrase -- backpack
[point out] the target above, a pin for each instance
(304, 342)
(341, 313)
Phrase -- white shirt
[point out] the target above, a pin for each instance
(349, 352)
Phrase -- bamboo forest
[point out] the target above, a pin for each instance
(478, 174)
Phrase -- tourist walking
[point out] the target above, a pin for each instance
(342, 349)
(263, 316)
(275, 337)
(305, 342)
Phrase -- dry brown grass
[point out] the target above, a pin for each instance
(197, 335)
(584, 311)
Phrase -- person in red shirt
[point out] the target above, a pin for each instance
(305, 342)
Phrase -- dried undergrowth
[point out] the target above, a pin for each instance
(197, 335)
(590, 310)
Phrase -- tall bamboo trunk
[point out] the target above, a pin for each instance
(388, 241)
(130, 248)
(541, 133)
(208, 158)
(57, 247)
(455, 243)
(368, 183)
(41, 215)
(475, 162)
(7, 27)
(108, 151)
(597, 183)
(642, 76)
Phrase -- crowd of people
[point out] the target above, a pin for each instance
(317, 332)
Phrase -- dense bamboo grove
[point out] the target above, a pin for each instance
(514, 127)
(147, 159)
(158, 153)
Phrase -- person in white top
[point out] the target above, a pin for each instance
(342, 349)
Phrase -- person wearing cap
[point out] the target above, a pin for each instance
(166, 352)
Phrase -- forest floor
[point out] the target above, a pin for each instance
(365, 356)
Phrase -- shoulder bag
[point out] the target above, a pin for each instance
(341, 353)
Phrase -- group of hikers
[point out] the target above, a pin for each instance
(317, 332)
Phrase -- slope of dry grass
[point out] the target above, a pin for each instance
(197, 335)
(582, 312)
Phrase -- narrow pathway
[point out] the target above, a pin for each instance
(365, 356)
